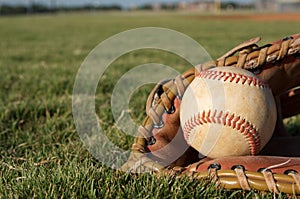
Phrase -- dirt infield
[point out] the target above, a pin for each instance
(256, 17)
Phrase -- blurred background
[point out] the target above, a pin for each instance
(43, 6)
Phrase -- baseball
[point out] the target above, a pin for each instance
(227, 111)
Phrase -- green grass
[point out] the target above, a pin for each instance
(41, 152)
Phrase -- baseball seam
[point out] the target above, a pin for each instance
(226, 119)
(232, 77)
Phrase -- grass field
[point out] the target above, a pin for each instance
(41, 154)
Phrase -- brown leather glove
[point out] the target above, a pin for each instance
(160, 146)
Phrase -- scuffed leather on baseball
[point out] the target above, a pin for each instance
(228, 111)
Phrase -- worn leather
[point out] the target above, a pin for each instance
(160, 139)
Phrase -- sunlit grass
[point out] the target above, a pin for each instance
(41, 152)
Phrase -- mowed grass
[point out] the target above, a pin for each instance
(41, 154)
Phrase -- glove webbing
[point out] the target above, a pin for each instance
(253, 58)
(162, 103)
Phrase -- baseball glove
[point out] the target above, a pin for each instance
(160, 146)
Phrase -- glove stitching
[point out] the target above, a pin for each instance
(242, 178)
(296, 178)
(270, 181)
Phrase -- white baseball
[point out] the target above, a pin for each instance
(227, 111)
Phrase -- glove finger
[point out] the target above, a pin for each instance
(250, 163)
(264, 173)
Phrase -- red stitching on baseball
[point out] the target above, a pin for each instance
(232, 77)
(227, 119)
